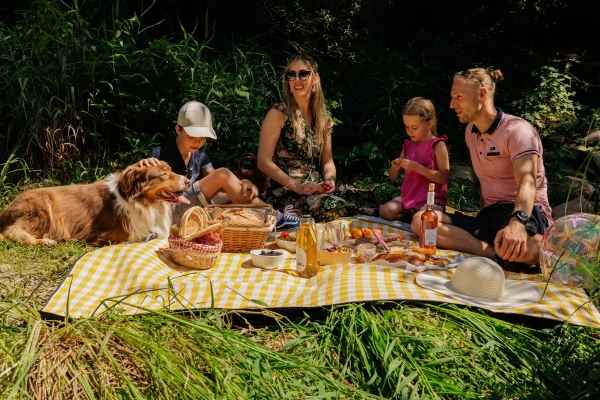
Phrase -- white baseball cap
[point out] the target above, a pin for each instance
(196, 119)
(479, 281)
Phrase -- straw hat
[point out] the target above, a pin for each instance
(480, 281)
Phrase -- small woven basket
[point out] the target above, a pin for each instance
(190, 253)
(242, 239)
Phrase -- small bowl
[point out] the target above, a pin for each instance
(287, 245)
(266, 262)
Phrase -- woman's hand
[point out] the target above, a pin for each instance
(308, 188)
(328, 186)
(149, 162)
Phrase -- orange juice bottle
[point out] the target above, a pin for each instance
(429, 224)
(307, 251)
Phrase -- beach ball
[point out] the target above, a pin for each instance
(569, 251)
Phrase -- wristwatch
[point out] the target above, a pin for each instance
(521, 216)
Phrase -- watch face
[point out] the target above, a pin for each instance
(521, 216)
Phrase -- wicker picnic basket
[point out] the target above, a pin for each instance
(197, 254)
(241, 237)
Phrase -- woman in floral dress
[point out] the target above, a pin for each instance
(295, 151)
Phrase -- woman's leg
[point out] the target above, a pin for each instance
(223, 180)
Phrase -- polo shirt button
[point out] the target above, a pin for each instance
(482, 140)
(480, 153)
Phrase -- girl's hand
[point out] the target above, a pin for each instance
(308, 188)
(409, 165)
(149, 162)
(396, 164)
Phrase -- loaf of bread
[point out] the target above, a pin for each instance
(241, 217)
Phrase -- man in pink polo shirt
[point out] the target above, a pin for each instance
(506, 152)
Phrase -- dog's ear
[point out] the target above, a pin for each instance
(129, 180)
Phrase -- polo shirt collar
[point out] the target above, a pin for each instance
(494, 125)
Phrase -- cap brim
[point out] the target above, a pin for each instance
(200, 131)
(516, 293)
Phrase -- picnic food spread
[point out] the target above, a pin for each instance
(205, 232)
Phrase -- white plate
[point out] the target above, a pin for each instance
(287, 245)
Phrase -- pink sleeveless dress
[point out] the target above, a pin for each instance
(415, 186)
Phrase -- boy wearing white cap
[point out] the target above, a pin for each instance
(186, 156)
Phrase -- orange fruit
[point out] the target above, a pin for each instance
(356, 233)
(368, 233)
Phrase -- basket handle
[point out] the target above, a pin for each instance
(243, 157)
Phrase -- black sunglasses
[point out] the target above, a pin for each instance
(303, 75)
(467, 74)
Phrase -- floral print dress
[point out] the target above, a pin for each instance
(299, 155)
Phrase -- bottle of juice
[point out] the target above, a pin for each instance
(307, 251)
(429, 224)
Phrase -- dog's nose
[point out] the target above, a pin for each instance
(186, 181)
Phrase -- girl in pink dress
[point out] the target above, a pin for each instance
(424, 159)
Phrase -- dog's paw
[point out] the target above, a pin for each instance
(47, 242)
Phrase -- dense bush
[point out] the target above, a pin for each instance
(78, 98)
(89, 88)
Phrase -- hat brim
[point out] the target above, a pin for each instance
(516, 293)
(200, 131)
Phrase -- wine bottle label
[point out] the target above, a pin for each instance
(430, 198)
(300, 260)
(430, 237)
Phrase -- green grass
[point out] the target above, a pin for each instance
(380, 350)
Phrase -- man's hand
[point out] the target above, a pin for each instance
(511, 242)
(249, 189)
(149, 162)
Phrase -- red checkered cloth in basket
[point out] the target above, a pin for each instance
(199, 245)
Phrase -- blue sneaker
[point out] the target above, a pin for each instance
(286, 220)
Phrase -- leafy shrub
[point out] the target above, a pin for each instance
(79, 101)
(550, 106)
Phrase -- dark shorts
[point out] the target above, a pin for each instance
(495, 217)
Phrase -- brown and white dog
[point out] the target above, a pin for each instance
(130, 206)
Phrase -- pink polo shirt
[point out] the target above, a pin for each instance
(493, 153)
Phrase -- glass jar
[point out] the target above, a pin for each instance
(365, 252)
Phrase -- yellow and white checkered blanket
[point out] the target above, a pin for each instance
(137, 277)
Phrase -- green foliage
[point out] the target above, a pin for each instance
(81, 97)
(550, 107)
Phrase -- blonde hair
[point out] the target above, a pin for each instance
(487, 78)
(421, 107)
(321, 119)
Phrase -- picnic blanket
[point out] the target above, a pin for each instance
(136, 278)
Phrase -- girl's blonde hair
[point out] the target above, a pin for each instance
(488, 78)
(321, 120)
(420, 106)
